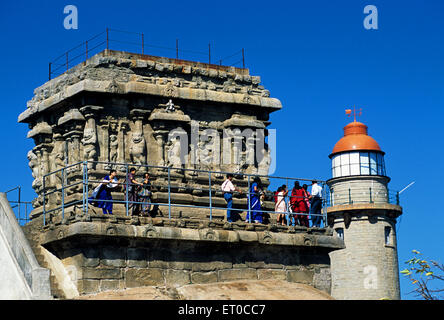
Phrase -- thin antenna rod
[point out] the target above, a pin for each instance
(407, 187)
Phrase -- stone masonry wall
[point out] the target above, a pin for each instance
(368, 267)
(110, 256)
(173, 263)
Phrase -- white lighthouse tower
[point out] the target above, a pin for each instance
(362, 213)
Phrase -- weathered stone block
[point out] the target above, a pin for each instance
(180, 265)
(177, 278)
(144, 277)
(204, 277)
(90, 257)
(88, 286)
(137, 258)
(211, 266)
(158, 264)
(300, 276)
(322, 279)
(106, 285)
(237, 274)
(113, 257)
(266, 274)
(102, 273)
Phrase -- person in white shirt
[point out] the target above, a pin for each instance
(228, 188)
(315, 204)
(280, 205)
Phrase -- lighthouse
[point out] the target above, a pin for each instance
(362, 212)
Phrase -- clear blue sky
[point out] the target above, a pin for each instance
(315, 56)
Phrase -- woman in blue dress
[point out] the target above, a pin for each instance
(104, 198)
(255, 203)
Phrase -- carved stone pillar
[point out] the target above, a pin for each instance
(137, 146)
(89, 140)
(58, 159)
(41, 133)
(122, 155)
(166, 119)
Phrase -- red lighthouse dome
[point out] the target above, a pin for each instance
(355, 139)
(356, 153)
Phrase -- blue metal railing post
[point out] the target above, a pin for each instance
(209, 184)
(83, 189)
(44, 202)
(86, 187)
(289, 215)
(63, 193)
(249, 201)
(19, 200)
(324, 203)
(126, 190)
(169, 194)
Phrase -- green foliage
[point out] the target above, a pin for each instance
(427, 276)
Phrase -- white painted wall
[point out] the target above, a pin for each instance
(21, 277)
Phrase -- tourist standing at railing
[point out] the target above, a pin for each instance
(131, 182)
(255, 203)
(103, 198)
(316, 204)
(307, 206)
(228, 188)
(280, 205)
(145, 195)
(298, 204)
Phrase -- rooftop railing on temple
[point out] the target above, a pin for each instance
(135, 42)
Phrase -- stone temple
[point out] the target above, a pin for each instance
(187, 124)
(120, 108)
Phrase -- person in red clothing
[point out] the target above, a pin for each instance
(298, 203)
(304, 218)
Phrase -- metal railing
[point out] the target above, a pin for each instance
(64, 175)
(135, 42)
(20, 208)
(362, 195)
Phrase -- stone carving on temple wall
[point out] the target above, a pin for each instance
(173, 153)
(113, 148)
(264, 162)
(171, 91)
(166, 121)
(58, 161)
(177, 148)
(89, 142)
(34, 165)
(138, 148)
(209, 150)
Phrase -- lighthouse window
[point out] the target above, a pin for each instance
(381, 166)
(365, 168)
(354, 163)
(373, 166)
(358, 163)
(387, 235)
